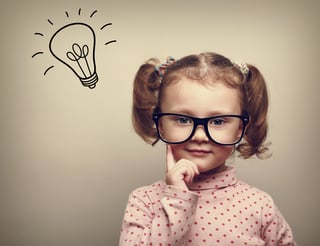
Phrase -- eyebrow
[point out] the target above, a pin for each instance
(190, 113)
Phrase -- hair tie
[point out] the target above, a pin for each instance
(242, 66)
(162, 68)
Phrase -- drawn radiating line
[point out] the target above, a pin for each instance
(38, 53)
(109, 24)
(38, 33)
(93, 13)
(50, 22)
(67, 14)
(79, 12)
(45, 72)
(112, 41)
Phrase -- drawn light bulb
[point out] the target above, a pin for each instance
(74, 46)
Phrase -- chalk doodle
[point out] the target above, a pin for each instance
(74, 46)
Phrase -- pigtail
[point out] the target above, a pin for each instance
(256, 105)
(145, 99)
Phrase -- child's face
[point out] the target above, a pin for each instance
(191, 98)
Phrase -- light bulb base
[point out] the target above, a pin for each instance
(90, 81)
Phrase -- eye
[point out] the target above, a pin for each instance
(183, 120)
(217, 122)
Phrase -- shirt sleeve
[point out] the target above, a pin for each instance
(161, 221)
(276, 230)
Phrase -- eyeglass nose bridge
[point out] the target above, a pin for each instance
(200, 122)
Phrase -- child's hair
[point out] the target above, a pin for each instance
(204, 68)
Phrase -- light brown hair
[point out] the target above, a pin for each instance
(205, 68)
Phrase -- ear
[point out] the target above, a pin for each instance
(239, 130)
(160, 128)
(247, 123)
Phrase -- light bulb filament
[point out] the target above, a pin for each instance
(79, 53)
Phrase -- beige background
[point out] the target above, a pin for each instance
(69, 156)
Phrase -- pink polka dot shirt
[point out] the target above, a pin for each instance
(218, 209)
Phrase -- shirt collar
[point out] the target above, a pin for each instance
(220, 180)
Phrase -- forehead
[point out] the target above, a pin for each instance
(200, 99)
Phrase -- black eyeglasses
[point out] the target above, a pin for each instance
(221, 129)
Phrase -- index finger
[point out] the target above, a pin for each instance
(170, 159)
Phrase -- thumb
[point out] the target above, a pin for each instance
(170, 159)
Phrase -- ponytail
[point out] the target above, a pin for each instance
(256, 105)
(145, 99)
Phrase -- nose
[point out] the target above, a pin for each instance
(200, 134)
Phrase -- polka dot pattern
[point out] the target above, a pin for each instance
(217, 209)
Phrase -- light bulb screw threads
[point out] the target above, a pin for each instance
(90, 81)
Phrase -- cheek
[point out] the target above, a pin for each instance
(224, 151)
(177, 150)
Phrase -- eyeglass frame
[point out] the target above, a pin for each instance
(203, 122)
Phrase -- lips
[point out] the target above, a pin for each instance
(198, 152)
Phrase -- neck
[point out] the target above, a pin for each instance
(218, 169)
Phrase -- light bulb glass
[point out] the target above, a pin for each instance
(74, 46)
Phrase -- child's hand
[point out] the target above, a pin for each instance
(181, 172)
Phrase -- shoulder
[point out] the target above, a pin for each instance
(274, 227)
(153, 190)
(260, 204)
(156, 186)
(256, 195)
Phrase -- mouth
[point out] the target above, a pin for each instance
(198, 152)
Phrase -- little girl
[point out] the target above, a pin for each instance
(205, 108)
